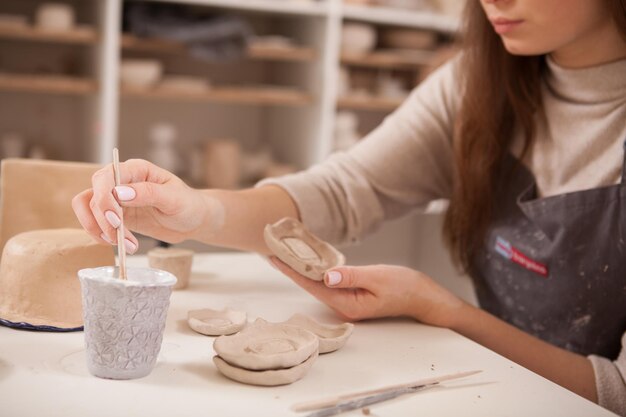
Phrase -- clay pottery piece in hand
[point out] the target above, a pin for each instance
(174, 260)
(216, 322)
(306, 254)
(263, 346)
(332, 337)
(270, 377)
(124, 319)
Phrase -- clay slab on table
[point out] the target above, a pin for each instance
(175, 261)
(293, 244)
(263, 346)
(216, 322)
(331, 337)
(270, 377)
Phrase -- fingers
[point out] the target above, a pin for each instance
(365, 277)
(147, 194)
(316, 288)
(81, 204)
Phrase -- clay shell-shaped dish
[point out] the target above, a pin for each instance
(262, 346)
(270, 377)
(293, 244)
(216, 322)
(332, 337)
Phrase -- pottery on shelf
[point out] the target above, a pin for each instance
(331, 337)
(140, 73)
(270, 377)
(216, 322)
(293, 244)
(174, 260)
(401, 38)
(263, 346)
(223, 164)
(357, 38)
(186, 84)
(55, 16)
(13, 21)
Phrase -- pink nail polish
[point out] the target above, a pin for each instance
(125, 193)
(334, 277)
(129, 246)
(112, 218)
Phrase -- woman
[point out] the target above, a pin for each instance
(523, 133)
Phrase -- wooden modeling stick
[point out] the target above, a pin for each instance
(332, 401)
(121, 251)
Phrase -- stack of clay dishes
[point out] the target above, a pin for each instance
(266, 354)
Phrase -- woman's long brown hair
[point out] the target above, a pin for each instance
(501, 92)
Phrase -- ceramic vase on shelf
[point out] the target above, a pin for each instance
(222, 159)
(162, 150)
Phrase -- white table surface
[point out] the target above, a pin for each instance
(44, 374)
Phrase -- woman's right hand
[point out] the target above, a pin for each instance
(156, 203)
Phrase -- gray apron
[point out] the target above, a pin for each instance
(555, 267)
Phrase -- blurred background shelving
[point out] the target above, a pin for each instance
(295, 81)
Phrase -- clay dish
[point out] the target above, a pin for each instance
(266, 378)
(263, 346)
(332, 337)
(293, 244)
(216, 322)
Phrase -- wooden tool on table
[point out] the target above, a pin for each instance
(355, 400)
(121, 248)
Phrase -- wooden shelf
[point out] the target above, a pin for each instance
(242, 95)
(54, 84)
(392, 59)
(80, 35)
(302, 8)
(401, 17)
(255, 51)
(372, 103)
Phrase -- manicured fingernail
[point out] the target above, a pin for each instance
(334, 277)
(112, 218)
(125, 193)
(129, 246)
(106, 239)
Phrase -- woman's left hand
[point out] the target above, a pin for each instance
(365, 292)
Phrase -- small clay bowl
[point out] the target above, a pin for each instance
(293, 244)
(263, 346)
(268, 378)
(216, 322)
(174, 260)
(332, 337)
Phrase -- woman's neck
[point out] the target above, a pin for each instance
(601, 47)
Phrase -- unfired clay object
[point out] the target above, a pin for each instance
(358, 38)
(38, 281)
(27, 202)
(263, 346)
(293, 244)
(55, 16)
(332, 337)
(216, 322)
(270, 377)
(140, 73)
(174, 260)
(223, 164)
(124, 319)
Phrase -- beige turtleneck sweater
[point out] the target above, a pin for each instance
(407, 162)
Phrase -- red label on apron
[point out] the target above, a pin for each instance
(510, 252)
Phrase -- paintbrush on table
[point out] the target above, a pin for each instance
(340, 403)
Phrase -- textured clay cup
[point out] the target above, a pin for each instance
(124, 319)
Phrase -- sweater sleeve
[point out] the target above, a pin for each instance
(403, 164)
(611, 380)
